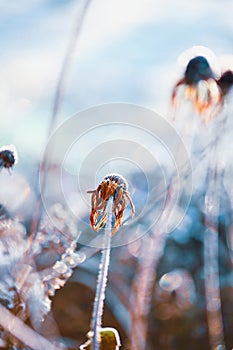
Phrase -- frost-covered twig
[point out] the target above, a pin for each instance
(96, 321)
(26, 289)
(108, 199)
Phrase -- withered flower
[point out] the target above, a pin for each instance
(117, 187)
(198, 85)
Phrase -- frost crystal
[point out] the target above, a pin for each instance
(32, 271)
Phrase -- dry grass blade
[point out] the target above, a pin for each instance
(56, 107)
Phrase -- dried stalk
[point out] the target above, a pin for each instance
(59, 93)
(96, 321)
(143, 285)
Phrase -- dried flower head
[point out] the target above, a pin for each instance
(8, 156)
(112, 185)
(198, 85)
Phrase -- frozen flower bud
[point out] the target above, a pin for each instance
(198, 69)
(116, 186)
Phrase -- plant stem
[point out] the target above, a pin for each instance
(96, 321)
(59, 93)
(211, 269)
(211, 246)
(142, 291)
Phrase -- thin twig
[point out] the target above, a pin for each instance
(58, 98)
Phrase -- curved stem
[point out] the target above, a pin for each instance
(64, 73)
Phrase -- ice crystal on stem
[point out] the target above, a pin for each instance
(33, 271)
(96, 321)
(110, 198)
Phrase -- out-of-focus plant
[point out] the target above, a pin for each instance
(58, 99)
(174, 294)
(34, 267)
(8, 157)
(151, 251)
(195, 102)
(204, 95)
(207, 94)
(110, 198)
(32, 271)
(225, 83)
(213, 196)
(199, 86)
(24, 290)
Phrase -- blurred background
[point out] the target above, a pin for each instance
(126, 51)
